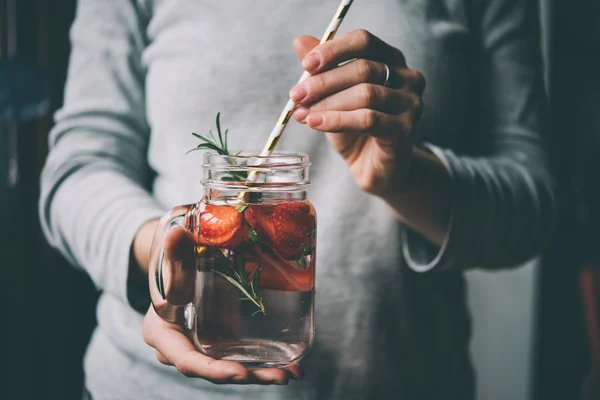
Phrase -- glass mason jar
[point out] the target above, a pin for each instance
(245, 292)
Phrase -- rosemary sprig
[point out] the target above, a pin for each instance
(236, 274)
(219, 144)
(248, 287)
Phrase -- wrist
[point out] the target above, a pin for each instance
(421, 165)
(422, 199)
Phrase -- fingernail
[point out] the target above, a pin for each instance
(298, 93)
(301, 114)
(311, 61)
(240, 378)
(314, 120)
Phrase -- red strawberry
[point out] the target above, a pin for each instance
(270, 278)
(283, 227)
(222, 226)
(279, 274)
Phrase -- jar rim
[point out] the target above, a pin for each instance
(283, 171)
(255, 160)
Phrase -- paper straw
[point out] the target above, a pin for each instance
(290, 107)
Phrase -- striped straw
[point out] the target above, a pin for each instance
(290, 107)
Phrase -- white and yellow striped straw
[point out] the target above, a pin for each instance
(290, 107)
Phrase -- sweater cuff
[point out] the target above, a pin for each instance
(420, 254)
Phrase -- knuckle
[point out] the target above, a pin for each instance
(367, 93)
(331, 50)
(319, 84)
(365, 37)
(406, 125)
(336, 122)
(370, 119)
(147, 333)
(184, 368)
(364, 69)
(162, 359)
(416, 102)
(366, 182)
(417, 78)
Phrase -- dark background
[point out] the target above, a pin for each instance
(49, 306)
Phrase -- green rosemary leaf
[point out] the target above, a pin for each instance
(240, 176)
(254, 238)
(219, 130)
(226, 132)
(256, 280)
(214, 139)
(301, 261)
(201, 137)
(307, 251)
(312, 232)
(240, 208)
(210, 146)
(256, 312)
(237, 285)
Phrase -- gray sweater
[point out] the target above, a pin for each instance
(391, 319)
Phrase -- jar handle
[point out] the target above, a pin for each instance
(171, 282)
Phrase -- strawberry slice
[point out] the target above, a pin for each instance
(279, 274)
(283, 227)
(270, 278)
(222, 226)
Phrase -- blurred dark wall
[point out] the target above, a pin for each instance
(49, 305)
(562, 348)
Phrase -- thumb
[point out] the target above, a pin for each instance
(303, 44)
(179, 266)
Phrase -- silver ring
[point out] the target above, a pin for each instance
(387, 76)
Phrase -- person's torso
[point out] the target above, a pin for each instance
(236, 57)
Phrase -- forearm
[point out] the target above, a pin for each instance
(422, 202)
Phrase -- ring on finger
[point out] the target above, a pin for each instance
(387, 82)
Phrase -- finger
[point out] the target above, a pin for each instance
(163, 360)
(303, 44)
(318, 86)
(179, 244)
(295, 371)
(367, 121)
(365, 95)
(356, 44)
(275, 376)
(168, 339)
(179, 266)
(411, 78)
